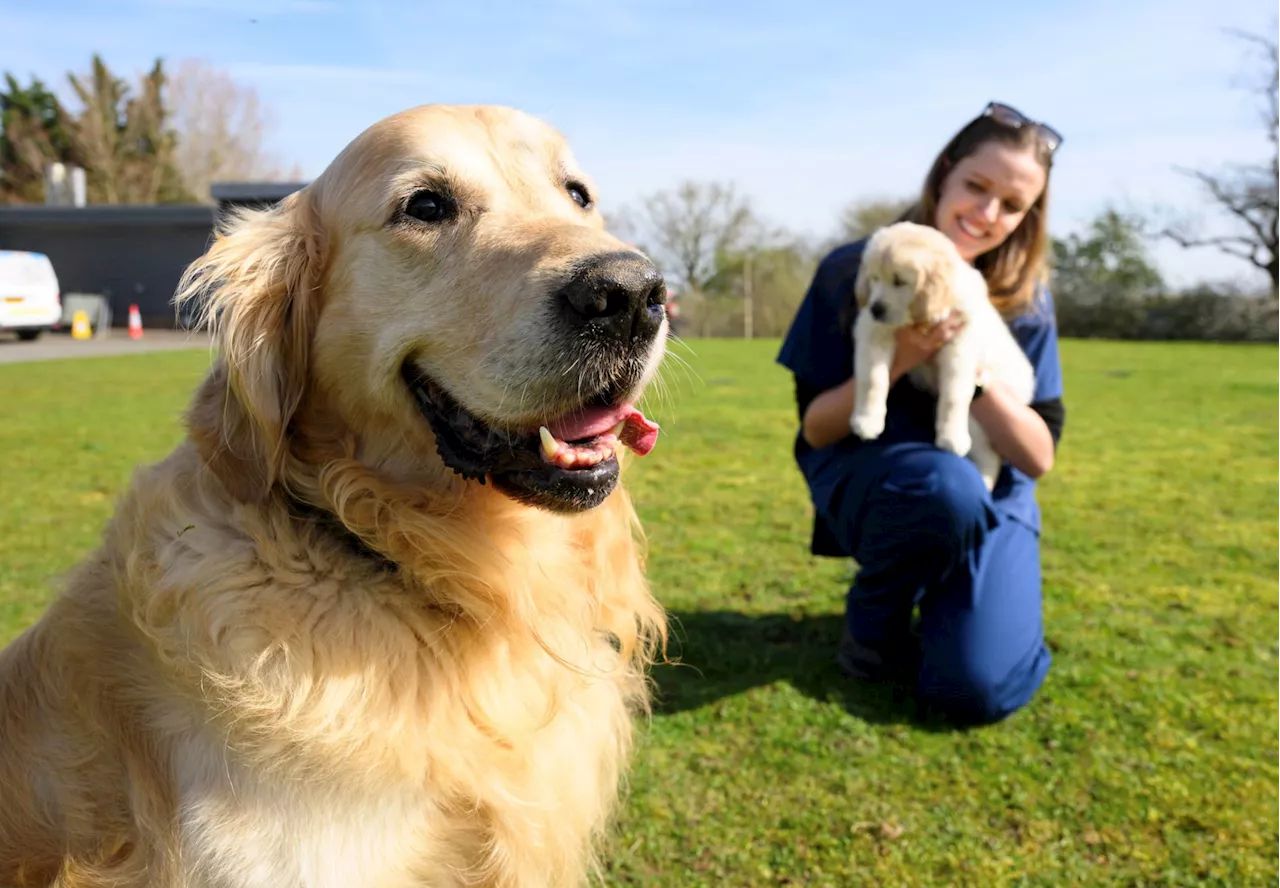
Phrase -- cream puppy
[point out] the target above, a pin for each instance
(913, 274)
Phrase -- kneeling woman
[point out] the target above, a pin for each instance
(918, 520)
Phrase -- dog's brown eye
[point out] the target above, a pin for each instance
(898, 281)
(578, 192)
(429, 206)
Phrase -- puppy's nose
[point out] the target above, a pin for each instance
(877, 310)
(619, 295)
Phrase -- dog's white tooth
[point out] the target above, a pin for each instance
(617, 430)
(550, 446)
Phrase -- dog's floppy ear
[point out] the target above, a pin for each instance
(256, 287)
(871, 253)
(935, 291)
(862, 286)
(851, 308)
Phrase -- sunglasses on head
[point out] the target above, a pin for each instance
(1012, 117)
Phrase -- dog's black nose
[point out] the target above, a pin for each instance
(619, 295)
(877, 310)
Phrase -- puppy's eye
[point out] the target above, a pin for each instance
(431, 207)
(578, 192)
(898, 281)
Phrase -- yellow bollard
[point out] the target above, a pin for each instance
(80, 326)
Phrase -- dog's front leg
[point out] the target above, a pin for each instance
(873, 356)
(983, 455)
(957, 376)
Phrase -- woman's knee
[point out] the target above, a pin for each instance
(961, 497)
(933, 504)
(977, 691)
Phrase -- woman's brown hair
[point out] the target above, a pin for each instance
(1015, 269)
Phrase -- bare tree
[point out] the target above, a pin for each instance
(861, 218)
(221, 127)
(756, 290)
(688, 228)
(1247, 192)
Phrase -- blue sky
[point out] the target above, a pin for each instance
(806, 105)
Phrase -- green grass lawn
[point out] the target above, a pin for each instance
(1150, 757)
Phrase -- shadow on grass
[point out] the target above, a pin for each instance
(721, 654)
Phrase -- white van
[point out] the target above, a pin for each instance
(30, 299)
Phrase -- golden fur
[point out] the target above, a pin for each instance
(228, 692)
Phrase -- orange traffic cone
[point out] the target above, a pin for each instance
(135, 322)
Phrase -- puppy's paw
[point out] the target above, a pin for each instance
(867, 426)
(989, 479)
(988, 463)
(956, 441)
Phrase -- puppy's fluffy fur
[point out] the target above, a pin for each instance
(306, 652)
(913, 274)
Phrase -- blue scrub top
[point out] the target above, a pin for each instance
(818, 350)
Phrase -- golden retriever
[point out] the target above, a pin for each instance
(380, 619)
(913, 274)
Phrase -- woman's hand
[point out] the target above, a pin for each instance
(827, 419)
(914, 345)
(1017, 432)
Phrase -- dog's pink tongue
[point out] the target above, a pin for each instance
(639, 433)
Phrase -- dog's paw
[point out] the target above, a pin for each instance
(958, 441)
(867, 426)
(988, 463)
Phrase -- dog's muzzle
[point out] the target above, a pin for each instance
(619, 297)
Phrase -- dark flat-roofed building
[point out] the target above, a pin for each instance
(256, 195)
(129, 253)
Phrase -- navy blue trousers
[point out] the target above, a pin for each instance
(925, 533)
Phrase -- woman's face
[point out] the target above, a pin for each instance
(986, 196)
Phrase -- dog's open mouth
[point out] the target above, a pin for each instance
(567, 464)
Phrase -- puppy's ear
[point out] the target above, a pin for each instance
(257, 289)
(935, 293)
(862, 286)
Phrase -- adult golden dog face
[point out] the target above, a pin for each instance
(444, 295)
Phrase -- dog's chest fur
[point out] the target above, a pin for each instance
(240, 829)
(348, 734)
(476, 813)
